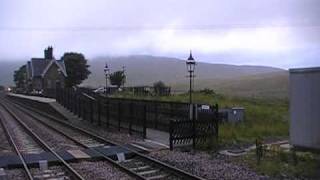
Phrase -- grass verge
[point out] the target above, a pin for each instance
(285, 165)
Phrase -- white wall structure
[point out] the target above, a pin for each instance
(305, 107)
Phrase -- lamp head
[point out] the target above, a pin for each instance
(106, 69)
(191, 63)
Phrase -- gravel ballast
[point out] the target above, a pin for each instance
(99, 170)
(51, 137)
(16, 174)
(5, 146)
(24, 142)
(205, 165)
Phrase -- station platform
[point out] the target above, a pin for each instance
(34, 98)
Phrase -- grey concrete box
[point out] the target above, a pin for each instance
(235, 114)
(305, 107)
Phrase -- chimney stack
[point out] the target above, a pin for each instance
(48, 53)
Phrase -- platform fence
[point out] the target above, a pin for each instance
(184, 122)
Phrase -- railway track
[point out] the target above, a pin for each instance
(64, 171)
(137, 165)
(5, 146)
(102, 168)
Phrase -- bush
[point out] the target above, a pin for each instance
(207, 91)
(159, 88)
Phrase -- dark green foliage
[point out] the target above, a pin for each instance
(77, 68)
(159, 86)
(19, 76)
(207, 91)
(118, 78)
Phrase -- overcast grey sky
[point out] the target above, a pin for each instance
(281, 33)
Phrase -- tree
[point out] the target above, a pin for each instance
(159, 87)
(76, 67)
(20, 77)
(117, 78)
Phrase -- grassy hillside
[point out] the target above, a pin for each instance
(269, 85)
(144, 70)
(248, 81)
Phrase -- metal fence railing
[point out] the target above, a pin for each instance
(137, 115)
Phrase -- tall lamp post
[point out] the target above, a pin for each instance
(191, 63)
(124, 73)
(106, 73)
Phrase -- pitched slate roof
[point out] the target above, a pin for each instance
(60, 65)
(39, 66)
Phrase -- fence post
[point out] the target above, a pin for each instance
(171, 110)
(84, 111)
(75, 103)
(170, 134)
(131, 118)
(217, 120)
(119, 115)
(91, 110)
(71, 101)
(107, 112)
(64, 97)
(144, 121)
(99, 112)
(67, 102)
(74, 98)
(193, 118)
(79, 106)
(57, 96)
(156, 114)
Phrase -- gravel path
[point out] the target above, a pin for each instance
(99, 170)
(205, 165)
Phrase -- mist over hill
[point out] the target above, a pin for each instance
(7, 69)
(145, 70)
(228, 79)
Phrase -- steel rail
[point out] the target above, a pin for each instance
(15, 147)
(74, 173)
(171, 169)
